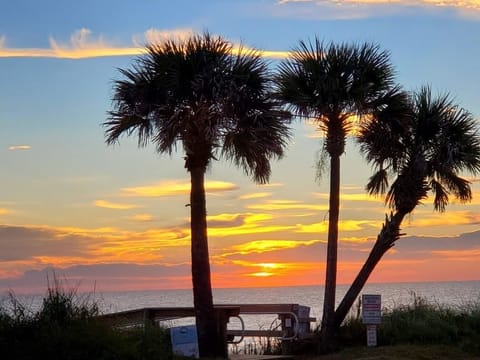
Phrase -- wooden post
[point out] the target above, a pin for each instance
(222, 320)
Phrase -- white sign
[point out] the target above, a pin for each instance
(184, 340)
(371, 309)
(371, 335)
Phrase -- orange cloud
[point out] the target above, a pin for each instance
(19, 147)
(115, 206)
(257, 195)
(287, 205)
(229, 225)
(4, 211)
(173, 188)
(247, 229)
(352, 197)
(261, 246)
(270, 54)
(82, 46)
(429, 219)
(349, 9)
(343, 225)
(142, 217)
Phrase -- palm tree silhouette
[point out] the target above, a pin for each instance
(333, 84)
(215, 102)
(426, 149)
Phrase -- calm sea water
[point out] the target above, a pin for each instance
(451, 294)
(393, 294)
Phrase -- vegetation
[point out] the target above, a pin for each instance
(333, 85)
(65, 328)
(426, 144)
(420, 328)
(215, 103)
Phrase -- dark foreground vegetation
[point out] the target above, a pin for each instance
(65, 327)
(421, 325)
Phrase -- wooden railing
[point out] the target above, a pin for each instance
(295, 319)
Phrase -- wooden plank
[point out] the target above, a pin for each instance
(259, 333)
(140, 316)
(266, 308)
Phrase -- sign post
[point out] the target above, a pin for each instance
(371, 316)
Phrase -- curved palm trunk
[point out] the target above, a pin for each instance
(332, 247)
(210, 345)
(385, 240)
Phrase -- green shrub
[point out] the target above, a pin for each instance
(422, 323)
(66, 328)
(427, 323)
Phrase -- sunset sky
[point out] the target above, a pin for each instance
(115, 216)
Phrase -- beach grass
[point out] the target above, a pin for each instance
(66, 327)
(422, 325)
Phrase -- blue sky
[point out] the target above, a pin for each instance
(68, 201)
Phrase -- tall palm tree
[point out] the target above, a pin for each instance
(215, 102)
(332, 84)
(426, 150)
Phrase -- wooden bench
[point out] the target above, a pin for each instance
(295, 321)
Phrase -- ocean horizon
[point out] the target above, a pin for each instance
(393, 294)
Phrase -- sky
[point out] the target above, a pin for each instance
(114, 217)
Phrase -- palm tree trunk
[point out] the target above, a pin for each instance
(332, 247)
(385, 240)
(210, 345)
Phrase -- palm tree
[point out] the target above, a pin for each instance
(215, 102)
(427, 149)
(332, 84)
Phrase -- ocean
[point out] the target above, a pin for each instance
(452, 294)
(455, 293)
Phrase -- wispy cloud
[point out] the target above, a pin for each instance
(352, 197)
(286, 205)
(155, 36)
(142, 217)
(351, 9)
(261, 246)
(453, 218)
(172, 188)
(257, 195)
(111, 205)
(19, 147)
(343, 225)
(103, 277)
(82, 45)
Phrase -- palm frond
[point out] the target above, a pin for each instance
(378, 182)
(440, 193)
(427, 149)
